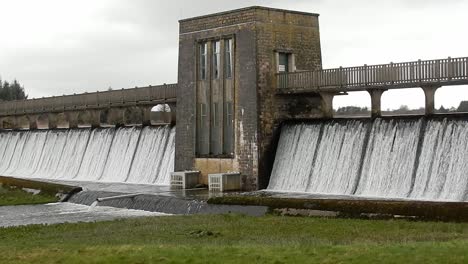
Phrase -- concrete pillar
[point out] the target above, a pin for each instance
(52, 119)
(173, 113)
(146, 115)
(429, 92)
(95, 118)
(33, 122)
(72, 118)
(376, 102)
(327, 104)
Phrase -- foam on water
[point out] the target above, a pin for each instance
(411, 159)
(109, 155)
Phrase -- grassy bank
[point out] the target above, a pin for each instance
(16, 196)
(237, 239)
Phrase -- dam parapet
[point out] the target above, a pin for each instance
(113, 107)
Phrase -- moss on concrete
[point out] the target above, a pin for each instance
(446, 211)
(51, 189)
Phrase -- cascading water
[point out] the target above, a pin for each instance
(398, 158)
(134, 155)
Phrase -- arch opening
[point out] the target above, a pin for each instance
(451, 99)
(161, 114)
(403, 102)
(355, 104)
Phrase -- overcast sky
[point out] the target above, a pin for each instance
(56, 47)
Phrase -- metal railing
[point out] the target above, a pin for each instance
(96, 100)
(449, 71)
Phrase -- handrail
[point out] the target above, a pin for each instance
(393, 75)
(94, 100)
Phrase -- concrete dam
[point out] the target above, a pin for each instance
(405, 158)
(251, 99)
(128, 155)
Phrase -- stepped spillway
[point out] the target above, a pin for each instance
(422, 159)
(131, 155)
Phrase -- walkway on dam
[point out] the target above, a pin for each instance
(429, 75)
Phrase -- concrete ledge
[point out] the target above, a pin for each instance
(62, 191)
(440, 211)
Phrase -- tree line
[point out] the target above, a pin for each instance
(404, 109)
(12, 91)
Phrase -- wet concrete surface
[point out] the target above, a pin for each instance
(154, 198)
(128, 188)
(57, 213)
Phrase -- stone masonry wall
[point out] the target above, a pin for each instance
(282, 31)
(239, 25)
(259, 33)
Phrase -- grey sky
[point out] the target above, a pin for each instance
(58, 47)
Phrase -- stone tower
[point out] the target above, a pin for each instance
(228, 112)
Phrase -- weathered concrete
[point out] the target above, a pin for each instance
(429, 93)
(327, 104)
(376, 102)
(259, 34)
(122, 107)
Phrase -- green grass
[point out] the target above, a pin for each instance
(15, 196)
(237, 239)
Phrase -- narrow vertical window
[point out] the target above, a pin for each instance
(283, 63)
(202, 115)
(216, 59)
(203, 60)
(215, 112)
(228, 58)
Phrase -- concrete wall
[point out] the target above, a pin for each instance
(290, 32)
(240, 26)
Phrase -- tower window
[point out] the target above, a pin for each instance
(283, 63)
(203, 60)
(228, 58)
(216, 59)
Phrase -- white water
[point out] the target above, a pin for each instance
(410, 159)
(133, 155)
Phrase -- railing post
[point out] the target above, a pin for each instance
(420, 71)
(366, 77)
(341, 77)
(148, 95)
(392, 73)
(449, 68)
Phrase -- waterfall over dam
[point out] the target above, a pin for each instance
(130, 155)
(408, 158)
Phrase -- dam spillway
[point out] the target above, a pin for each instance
(407, 158)
(129, 155)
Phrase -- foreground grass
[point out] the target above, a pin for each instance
(237, 239)
(15, 196)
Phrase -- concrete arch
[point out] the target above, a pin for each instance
(115, 117)
(89, 118)
(354, 104)
(403, 102)
(62, 120)
(22, 122)
(162, 114)
(133, 115)
(42, 121)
